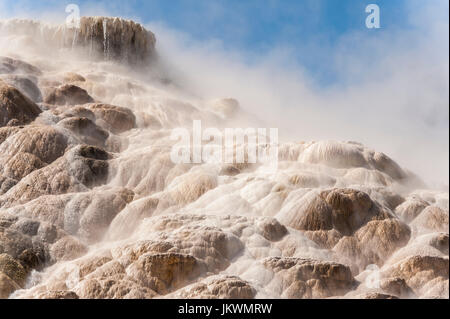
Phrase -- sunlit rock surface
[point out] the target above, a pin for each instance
(107, 38)
(92, 206)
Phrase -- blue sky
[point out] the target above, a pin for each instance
(251, 26)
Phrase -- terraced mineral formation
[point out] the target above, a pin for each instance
(92, 206)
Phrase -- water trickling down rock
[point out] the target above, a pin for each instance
(103, 37)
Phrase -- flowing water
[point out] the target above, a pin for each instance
(92, 206)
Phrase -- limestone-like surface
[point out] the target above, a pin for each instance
(92, 205)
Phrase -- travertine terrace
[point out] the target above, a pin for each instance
(91, 205)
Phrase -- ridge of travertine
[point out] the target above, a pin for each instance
(103, 37)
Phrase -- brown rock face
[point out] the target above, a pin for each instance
(357, 229)
(421, 273)
(376, 295)
(71, 77)
(88, 132)
(344, 210)
(44, 142)
(15, 107)
(440, 241)
(397, 287)
(67, 94)
(78, 111)
(24, 244)
(113, 118)
(211, 247)
(67, 248)
(81, 168)
(165, 272)
(117, 286)
(23, 151)
(13, 269)
(272, 230)
(306, 278)
(101, 37)
(7, 286)
(351, 209)
(58, 295)
(222, 287)
(410, 209)
(374, 243)
(433, 219)
(85, 215)
(115, 38)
